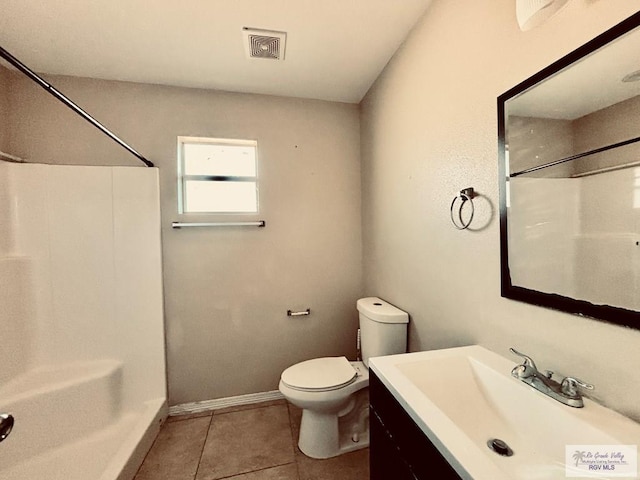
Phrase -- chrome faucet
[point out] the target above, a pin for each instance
(565, 392)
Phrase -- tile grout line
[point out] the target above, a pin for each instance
(294, 443)
(235, 475)
(176, 418)
(294, 461)
(153, 444)
(206, 437)
(253, 406)
(301, 470)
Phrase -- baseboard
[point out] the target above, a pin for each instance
(206, 405)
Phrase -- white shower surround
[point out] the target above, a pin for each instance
(83, 360)
(581, 220)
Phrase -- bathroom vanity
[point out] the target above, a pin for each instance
(459, 413)
(399, 449)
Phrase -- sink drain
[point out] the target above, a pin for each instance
(500, 447)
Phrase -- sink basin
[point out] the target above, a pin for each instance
(463, 397)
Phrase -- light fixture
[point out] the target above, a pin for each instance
(532, 13)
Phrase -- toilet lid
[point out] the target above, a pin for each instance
(320, 374)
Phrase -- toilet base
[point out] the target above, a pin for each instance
(325, 435)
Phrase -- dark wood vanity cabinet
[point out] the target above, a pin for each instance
(399, 450)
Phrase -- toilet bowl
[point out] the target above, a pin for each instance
(332, 391)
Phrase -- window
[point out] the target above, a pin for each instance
(217, 175)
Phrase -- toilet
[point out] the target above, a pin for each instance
(332, 391)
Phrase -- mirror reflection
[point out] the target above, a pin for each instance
(572, 181)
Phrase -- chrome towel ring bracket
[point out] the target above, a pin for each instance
(6, 425)
(466, 196)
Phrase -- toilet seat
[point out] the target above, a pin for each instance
(320, 374)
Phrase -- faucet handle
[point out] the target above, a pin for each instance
(528, 361)
(569, 386)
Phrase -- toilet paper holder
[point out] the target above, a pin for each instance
(298, 314)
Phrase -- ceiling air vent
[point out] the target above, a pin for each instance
(264, 43)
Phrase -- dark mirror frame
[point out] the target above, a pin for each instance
(611, 314)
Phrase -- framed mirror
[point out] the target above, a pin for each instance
(569, 155)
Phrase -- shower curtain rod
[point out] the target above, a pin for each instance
(64, 99)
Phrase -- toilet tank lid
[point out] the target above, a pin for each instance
(380, 311)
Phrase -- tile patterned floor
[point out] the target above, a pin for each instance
(251, 442)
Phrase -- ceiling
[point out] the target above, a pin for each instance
(335, 48)
(587, 86)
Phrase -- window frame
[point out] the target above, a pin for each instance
(183, 177)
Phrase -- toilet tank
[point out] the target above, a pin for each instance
(383, 328)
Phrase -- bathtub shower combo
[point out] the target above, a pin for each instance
(82, 363)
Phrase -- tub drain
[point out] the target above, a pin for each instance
(500, 447)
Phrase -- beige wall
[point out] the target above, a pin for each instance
(227, 290)
(535, 141)
(607, 126)
(4, 109)
(429, 129)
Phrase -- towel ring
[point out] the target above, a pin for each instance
(465, 195)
